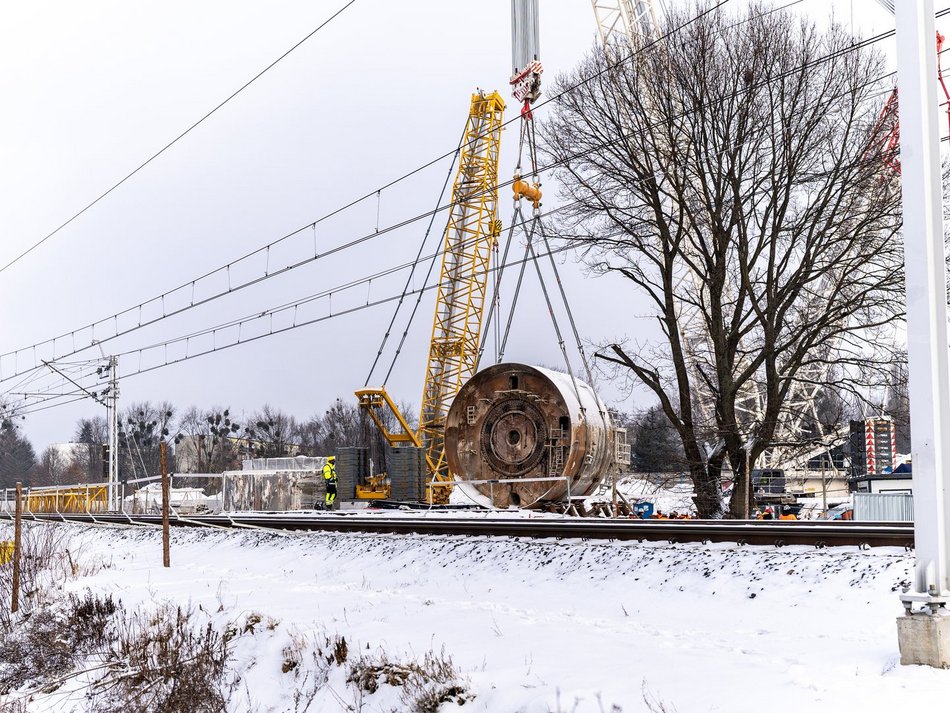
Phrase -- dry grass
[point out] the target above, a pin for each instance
(44, 560)
(426, 684)
(161, 661)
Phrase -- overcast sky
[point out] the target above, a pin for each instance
(91, 89)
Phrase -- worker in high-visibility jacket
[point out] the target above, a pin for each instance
(329, 477)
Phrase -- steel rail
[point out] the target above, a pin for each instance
(815, 533)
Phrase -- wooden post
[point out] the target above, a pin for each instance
(614, 489)
(166, 554)
(17, 527)
(746, 504)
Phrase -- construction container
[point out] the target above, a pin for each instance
(884, 507)
(513, 422)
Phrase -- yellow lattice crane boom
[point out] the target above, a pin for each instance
(470, 234)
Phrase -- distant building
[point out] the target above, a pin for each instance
(896, 482)
(873, 447)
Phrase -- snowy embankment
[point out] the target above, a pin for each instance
(532, 626)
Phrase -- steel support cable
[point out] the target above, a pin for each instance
(517, 217)
(554, 322)
(567, 306)
(412, 272)
(191, 283)
(376, 192)
(179, 137)
(495, 304)
(514, 298)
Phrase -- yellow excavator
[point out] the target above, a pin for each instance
(471, 233)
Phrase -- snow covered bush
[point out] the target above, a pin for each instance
(161, 661)
(44, 561)
(425, 684)
(48, 642)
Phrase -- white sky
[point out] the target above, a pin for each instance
(92, 89)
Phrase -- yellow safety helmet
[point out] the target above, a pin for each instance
(331, 459)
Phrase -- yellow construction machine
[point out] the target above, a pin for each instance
(471, 234)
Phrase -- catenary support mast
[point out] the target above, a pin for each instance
(927, 346)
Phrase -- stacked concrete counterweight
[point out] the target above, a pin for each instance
(407, 472)
(352, 467)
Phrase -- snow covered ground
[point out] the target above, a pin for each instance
(537, 626)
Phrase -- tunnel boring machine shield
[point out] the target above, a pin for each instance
(519, 423)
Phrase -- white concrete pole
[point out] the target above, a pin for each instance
(927, 347)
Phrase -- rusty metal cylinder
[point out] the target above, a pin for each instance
(518, 423)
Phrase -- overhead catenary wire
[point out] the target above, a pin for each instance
(267, 314)
(178, 138)
(271, 273)
(143, 370)
(376, 192)
(159, 302)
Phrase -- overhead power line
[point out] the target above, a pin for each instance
(45, 401)
(352, 203)
(158, 303)
(178, 138)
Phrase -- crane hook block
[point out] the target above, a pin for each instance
(531, 191)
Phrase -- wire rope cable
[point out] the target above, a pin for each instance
(176, 139)
(114, 318)
(422, 244)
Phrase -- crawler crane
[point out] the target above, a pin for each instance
(470, 235)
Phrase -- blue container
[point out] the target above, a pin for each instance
(643, 510)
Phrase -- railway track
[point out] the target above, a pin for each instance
(774, 533)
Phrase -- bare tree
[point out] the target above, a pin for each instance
(141, 429)
(271, 433)
(897, 405)
(732, 171)
(205, 440)
(94, 432)
(52, 468)
(345, 425)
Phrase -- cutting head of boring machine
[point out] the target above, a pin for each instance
(538, 434)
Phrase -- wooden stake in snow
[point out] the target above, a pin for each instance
(166, 554)
(15, 603)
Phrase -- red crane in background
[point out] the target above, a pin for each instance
(888, 130)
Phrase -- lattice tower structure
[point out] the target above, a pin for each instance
(800, 409)
(616, 19)
(470, 235)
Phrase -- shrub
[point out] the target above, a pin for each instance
(48, 641)
(426, 685)
(158, 661)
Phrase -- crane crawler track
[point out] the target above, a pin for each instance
(812, 533)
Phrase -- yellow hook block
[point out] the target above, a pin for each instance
(523, 189)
